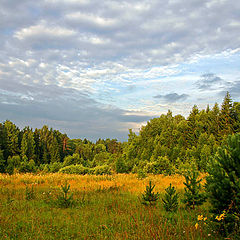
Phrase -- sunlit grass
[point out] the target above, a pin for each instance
(106, 207)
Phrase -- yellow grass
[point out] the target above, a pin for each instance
(126, 182)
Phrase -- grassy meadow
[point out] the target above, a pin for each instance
(105, 207)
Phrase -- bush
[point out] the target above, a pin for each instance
(13, 163)
(223, 183)
(100, 170)
(27, 166)
(55, 167)
(161, 166)
(75, 159)
(75, 169)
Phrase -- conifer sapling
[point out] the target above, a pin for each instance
(193, 195)
(170, 199)
(149, 197)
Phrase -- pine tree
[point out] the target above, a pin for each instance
(170, 200)
(223, 182)
(192, 195)
(149, 197)
(227, 115)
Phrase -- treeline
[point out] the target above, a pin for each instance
(166, 144)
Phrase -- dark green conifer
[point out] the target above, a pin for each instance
(149, 197)
(170, 199)
(223, 182)
(193, 195)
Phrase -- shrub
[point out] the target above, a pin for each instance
(73, 160)
(100, 170)
(160, 166)
(120, 166)
(27, 166)
(74, 169)
(13, 163)
(149, 197)
(55, 167)
(170, 200)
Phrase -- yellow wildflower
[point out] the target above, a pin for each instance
(204, 219)
(196, 225)
(200, 217)
(221, 216)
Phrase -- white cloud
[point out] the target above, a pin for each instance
(43, 30)
(119, 52)
(79, 18)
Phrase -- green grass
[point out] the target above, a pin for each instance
(100, 214)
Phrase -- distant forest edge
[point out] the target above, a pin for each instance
(168, 144)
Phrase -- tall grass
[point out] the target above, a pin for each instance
(106, 207)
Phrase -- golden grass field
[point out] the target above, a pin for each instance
(107, 207)
(125, 182)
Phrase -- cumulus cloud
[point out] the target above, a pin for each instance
(172, 97)
(83, 50)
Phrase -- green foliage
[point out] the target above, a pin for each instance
(120, 165)
(79, 169)
(13, 163)
(55, 167)
(74, 159)
(223, 182)
(161, 166)
(193, 195)
(170, 200)
(75, 169)
(2, 162)
(166, 145)
(65, 198)
(141, 174)
(101, 170)
(27, 166)
(150, 198)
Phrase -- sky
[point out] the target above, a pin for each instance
(94, 69)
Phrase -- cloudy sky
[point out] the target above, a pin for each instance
(95, 68)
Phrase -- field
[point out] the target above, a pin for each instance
(105, 207)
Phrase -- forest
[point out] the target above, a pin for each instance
(165, 145)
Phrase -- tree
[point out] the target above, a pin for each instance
(28, 144)
(149, 197)
(2, 162)
(227, 115)
(12, 133)
(170, 199)
(223, 182)
(192, 195)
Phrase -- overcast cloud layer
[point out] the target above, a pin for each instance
(97, 68)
